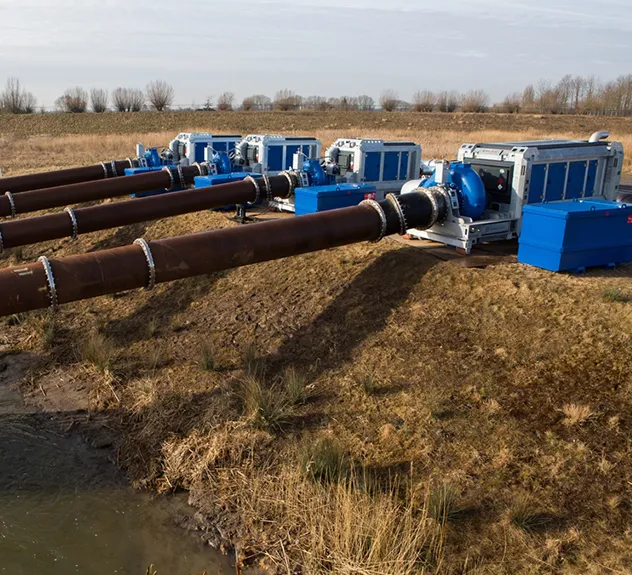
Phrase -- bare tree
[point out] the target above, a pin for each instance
(448, 101)
(225, 102)
(511, 103)
(160, 95)
(389, 100)
(365, 103)
(74, 100)
(424, 101)
(528, 99)
(16, 100)
(286, 100)
(120, 99)
(248, 104)
(136, 99)
(474, 101)
(262, 102)
(99, 99)
(317, 103)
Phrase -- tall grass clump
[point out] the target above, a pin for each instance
(264, 407)
(98, 351)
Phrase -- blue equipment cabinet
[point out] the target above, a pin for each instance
(575, 235)
(321, 198)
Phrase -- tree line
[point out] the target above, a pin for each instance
(571, 95)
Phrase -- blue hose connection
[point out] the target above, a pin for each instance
(469, 186)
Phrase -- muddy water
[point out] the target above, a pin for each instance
(65, 509)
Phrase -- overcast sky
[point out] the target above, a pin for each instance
(315, 47)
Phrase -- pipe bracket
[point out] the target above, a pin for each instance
(255, 183)
(1, 243)
(150, 262)
(266, 181)
(105, 171)
(380, 212)
(183, 183)
(114, 172)
(171, 179)
(73, 221)
(50, 280)
(291, 182)
(403, 224)
(9, 196)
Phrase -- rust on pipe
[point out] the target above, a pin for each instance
(91, 219)
(143, 264)
(19, 184)
(42, 199)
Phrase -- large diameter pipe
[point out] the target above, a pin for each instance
(145, 264)
(19, 184)
(73, 222)
(35, 200)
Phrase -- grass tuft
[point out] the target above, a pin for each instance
(325, 461)
(98, 350)
(295, 384)
(368, 380)
(266, 408)
(208, 361)
(254, 365)
(616, 295)
(575, 414)
(527, 517)
(443, 504)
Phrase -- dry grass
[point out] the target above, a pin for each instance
(470, 373)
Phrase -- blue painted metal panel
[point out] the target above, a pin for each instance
(275, 158)
(391, 166)
(372, 166)
(536, 185)
(556, 182)
(403, 166)
(322, 198)
(289, 155)
(576, 177)
(592, 178)
(574, 235)
(198, 152)
(220, 146)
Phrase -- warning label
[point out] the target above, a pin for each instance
(629, 219)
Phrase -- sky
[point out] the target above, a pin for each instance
(314, 47)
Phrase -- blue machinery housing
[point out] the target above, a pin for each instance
(558, 196)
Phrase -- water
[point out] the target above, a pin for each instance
(65, 509)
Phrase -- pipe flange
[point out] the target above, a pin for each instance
(266, 181)
(106, 174)
(172, 180)
(73, 221)
(150, 263)
(380, 212)
(113, 164)
(9, 196)
(255, 183)
(435, 205)
(202, 169)
(130, 162)
(291, 182)
(50, 280)
(403, 224)
(183, 183)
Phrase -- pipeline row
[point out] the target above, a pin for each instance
(104, 170)
(73, 222)
(34, 200)
(145, 264)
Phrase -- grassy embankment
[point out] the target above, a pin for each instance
(363, 410)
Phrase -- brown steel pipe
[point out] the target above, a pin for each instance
(145, 264)
(91, 219)
(35, 200)
(19, 184)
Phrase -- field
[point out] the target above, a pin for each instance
(366, 410)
